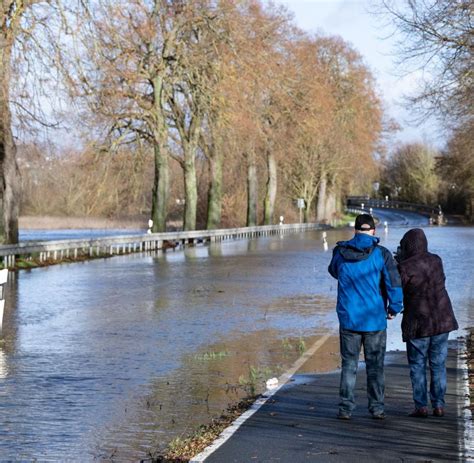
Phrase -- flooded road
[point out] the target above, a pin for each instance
(111, 359)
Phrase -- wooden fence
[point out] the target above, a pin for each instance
(45, 251)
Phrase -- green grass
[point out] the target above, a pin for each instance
(345, 219)
(301, 346)
(256, 376)
(211, 356)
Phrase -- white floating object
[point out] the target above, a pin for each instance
(2, 308)
(3, 280)
(272, 383)
(3, 276)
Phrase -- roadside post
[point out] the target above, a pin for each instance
(3, 280)
(300, 204)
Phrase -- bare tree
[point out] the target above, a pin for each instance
(411, 174)
(12, 13)
(436, 36)
(456, 171)
(18, 45)
(127, 77)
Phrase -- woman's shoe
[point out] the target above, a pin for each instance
(343, 415)
(419, 413)
(438, 411)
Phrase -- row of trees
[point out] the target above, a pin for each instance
(225, 85)
(435, 36)
(419, 173)
(229, 87)
(227, 80)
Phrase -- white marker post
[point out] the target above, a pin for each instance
(325, 241)
(300, 204)
(3, 280)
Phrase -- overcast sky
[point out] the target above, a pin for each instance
(352, 21)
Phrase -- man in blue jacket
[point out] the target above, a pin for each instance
(368, 292)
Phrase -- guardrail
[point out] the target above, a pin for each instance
(366, 202)
(44, 251)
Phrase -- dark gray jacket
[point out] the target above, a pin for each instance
(427, 307)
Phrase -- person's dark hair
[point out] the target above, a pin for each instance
(364, 222)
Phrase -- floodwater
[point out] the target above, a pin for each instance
(73, 234)
(113, 358)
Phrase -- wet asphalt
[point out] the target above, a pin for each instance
(299, 424)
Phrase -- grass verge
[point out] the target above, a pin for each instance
(183, 449)
(27, 263)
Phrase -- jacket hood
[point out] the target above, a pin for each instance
(413, 242)
(358, 248)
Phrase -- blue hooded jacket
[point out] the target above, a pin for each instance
(369, 284)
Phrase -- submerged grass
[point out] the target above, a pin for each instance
(255, 377)
(27, 263)
(183, 448)
(211, 356)
(289, 347)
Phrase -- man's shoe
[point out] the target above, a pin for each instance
(344, 415)
(378, 416)
(419, 413)
(438, 411)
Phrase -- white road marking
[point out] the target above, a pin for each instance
(282, 380)
(466, 446)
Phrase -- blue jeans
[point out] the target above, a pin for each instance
(435, 350)
(374, 343)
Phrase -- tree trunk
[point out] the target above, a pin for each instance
(9, 174)
(306, 209)
(214, 203)
(321, 205)
(270, 196)
(160, 189)
(159, 203)
(330, 209)
(252, 190)
(190, 188)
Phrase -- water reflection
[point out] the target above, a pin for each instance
(3, 364)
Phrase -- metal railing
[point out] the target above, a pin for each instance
(45, 251)
(365, 202)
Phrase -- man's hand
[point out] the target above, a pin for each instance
(391, 314)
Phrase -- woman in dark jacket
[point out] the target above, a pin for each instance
(428, 318)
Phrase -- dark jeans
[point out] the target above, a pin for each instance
(435, 350)
(374, 343)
